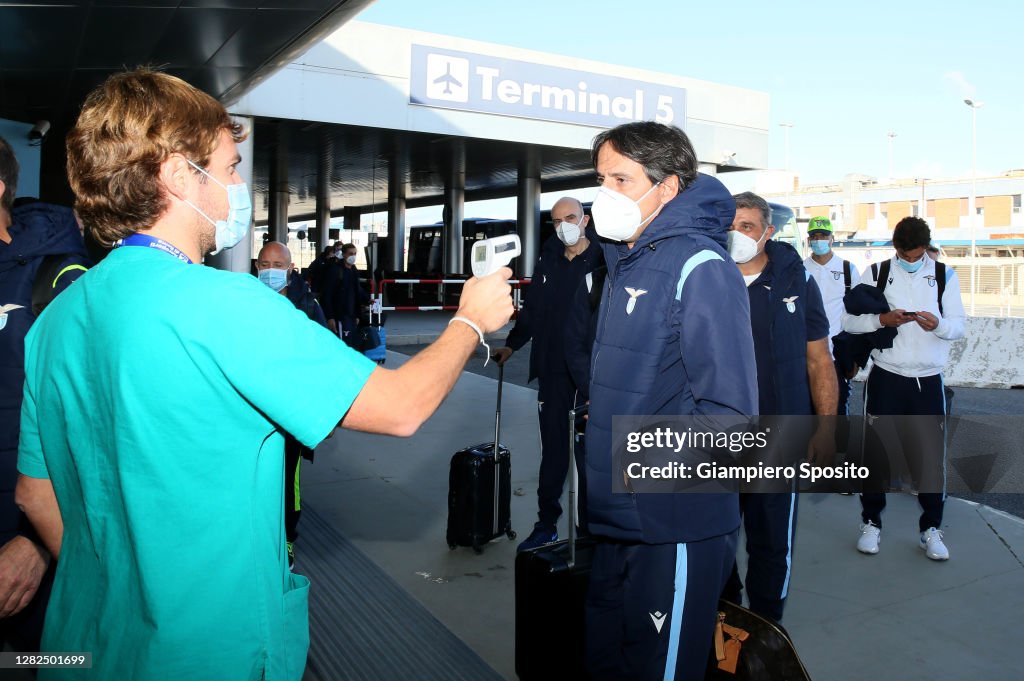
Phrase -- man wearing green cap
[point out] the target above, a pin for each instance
(834, 277)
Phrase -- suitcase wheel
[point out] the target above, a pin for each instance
(511, 534)
(451, 547)
(477, 550)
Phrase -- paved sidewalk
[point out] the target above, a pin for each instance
(896, 615)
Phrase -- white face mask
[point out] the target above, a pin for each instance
(616, 216)
(351, 260)
(742, 248)
(568, 233)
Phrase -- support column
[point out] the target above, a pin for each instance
(528, 211)
(454, 208)
(324, 176)
(351, 222)
(239, 258)
(396, 210)
(277, 220)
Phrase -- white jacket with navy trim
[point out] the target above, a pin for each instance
(915, 352)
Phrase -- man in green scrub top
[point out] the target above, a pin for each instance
(151, 450)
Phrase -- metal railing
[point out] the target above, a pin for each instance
(377, 293)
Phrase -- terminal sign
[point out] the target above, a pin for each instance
(474, 82)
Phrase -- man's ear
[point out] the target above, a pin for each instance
(3, 190)
(175, 175)
(668, 189)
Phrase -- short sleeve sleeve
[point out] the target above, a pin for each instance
(30, 447)
(298, 373)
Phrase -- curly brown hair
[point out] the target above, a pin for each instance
(129, 125)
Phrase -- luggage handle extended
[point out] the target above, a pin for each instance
(573, 415)
(497, 411)
(497, 433)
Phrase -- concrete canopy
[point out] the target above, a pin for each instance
(365, 94)
(54, 53)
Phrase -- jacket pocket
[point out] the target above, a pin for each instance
(296, 626)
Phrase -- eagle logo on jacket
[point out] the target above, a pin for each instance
(790, 303)
(10, 307)
(634, 293)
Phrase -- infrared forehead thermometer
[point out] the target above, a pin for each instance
(489, 255)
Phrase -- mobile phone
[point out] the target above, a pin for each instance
(909, 314)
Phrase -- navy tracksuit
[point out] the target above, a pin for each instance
(888, 393)
(786, 312)
(543, 318)
(673, 338)
(659, 628)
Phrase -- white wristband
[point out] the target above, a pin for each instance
(471, 324)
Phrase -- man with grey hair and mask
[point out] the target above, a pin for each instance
(565, 260)
(795, 377)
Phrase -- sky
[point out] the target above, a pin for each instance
(844, 74)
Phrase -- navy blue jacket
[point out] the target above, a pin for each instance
(851, 349)
(673, 338)
(795, 315)
(37, 230)
(581, 329)
(302, 297)
(343, 293)
(549, 298)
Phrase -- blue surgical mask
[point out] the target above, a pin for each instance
(274, 278)
(910, 267)
(232, 230)
(820, 247)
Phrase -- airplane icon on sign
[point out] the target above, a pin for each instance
(448, 79)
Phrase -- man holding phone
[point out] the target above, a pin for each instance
(906, 379)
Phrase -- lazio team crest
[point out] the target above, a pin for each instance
(10, 307)
(790, 304)
(634, 293)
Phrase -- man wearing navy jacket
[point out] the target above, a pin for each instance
(795, 377)
(565, 260)
(673, 338)
(37, 240)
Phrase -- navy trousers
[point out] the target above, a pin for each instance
(769, 521)
(555, 397)
(651, 608)
(922, 440)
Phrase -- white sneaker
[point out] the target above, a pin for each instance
(870, 536)
(931, 542)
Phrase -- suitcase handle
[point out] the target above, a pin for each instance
(573, 414)
(497, 411)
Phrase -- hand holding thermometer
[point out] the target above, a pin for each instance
(490, 255)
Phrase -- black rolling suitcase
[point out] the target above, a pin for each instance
(480, 490)
(551, 588)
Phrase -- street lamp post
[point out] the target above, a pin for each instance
(787, 127)
(972, 204)
(890, 135)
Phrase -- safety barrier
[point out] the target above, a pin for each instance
(377, 293)
(989, 354)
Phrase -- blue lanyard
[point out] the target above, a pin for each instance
(148, 241)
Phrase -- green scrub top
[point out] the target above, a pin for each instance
(156, 393)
